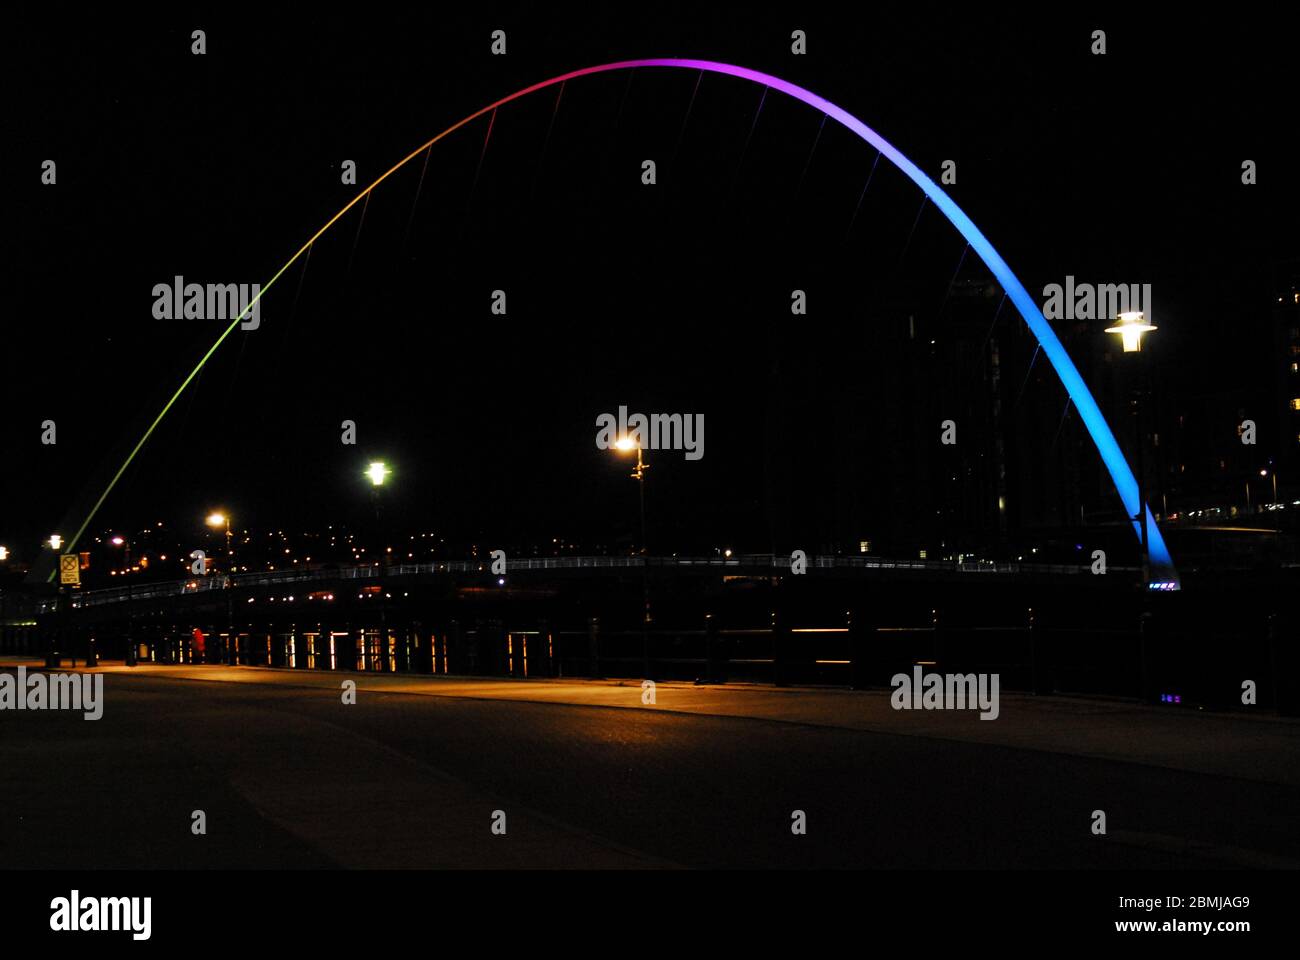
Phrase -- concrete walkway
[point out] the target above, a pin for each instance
(1263, 748)
(593, 777)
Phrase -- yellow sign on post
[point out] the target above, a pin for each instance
(70, 570)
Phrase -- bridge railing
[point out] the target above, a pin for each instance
(370, 571)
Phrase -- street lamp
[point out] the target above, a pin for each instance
(55, 542)
(626, 444)
(216, 520)
(1262, 472)
(1130, 327)
(125, 544)
(378, 472)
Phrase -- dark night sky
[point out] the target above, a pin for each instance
(1122, 167)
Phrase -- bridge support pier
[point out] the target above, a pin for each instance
(715, 656)
(866, 669)
(593, 648)
(780, 649)
(540, 663)
(1041, 667)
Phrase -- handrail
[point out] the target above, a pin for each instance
(370, 571)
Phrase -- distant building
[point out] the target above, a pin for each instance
(1286, 366)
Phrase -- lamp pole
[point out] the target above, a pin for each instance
(1142, 480)
(125, 544)
(230, 600)
(216, 521)
(1266, 472)
(627, 444)
(378, 473)
(639, 475)
(1131, 326)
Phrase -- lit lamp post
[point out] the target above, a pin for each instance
(125, 544)
(217, 520)
(55, 543)
(627, 444)
(1130, 327)
(1262, 472)
(378, 472)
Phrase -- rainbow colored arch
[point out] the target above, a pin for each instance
(1120, 472)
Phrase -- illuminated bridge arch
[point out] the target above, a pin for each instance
(1120, 472)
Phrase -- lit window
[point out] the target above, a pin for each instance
(1295, 404)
